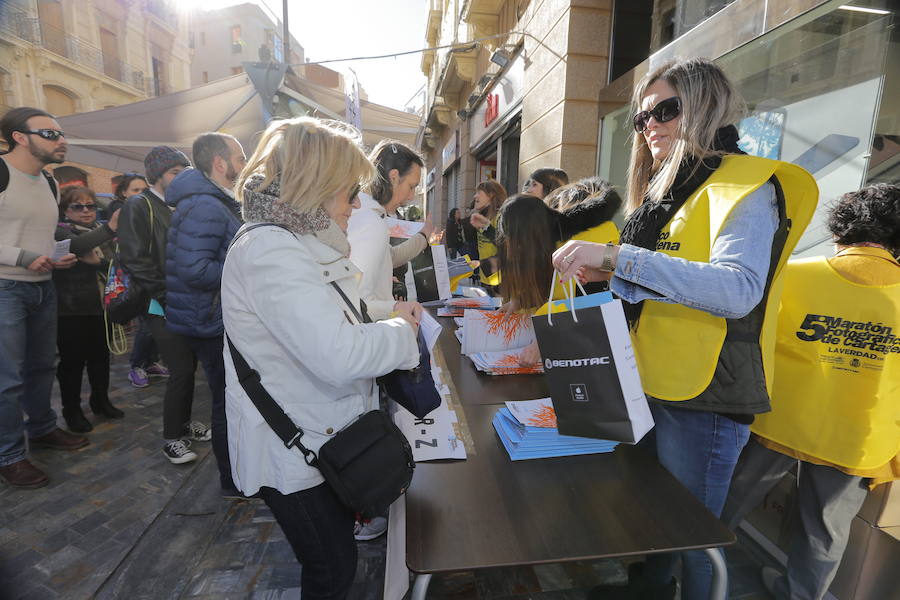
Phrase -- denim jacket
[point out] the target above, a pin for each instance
(729, 285)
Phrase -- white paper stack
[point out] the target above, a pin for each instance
(502, 363)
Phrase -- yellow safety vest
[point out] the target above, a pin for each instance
(677, 347)
(486, 250)
(604, 233)
(836, 388)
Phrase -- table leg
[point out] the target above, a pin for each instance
(420, 587)
(718, 590)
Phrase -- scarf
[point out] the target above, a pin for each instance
(644, 225)
(265, 206)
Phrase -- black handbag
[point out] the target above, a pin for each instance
(368, 464)
(412, 389)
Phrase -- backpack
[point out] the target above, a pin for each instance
(4, 179)
(122, 300)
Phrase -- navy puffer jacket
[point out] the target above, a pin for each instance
(203, 224)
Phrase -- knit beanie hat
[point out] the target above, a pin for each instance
(162, 158)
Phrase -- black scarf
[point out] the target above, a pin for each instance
(644, 225)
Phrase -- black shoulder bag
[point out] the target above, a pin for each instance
(368, 464)
(412, 389)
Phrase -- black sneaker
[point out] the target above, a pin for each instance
(179, 452)
(197, 431)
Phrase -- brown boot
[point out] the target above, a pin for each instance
(60, 440)
(23, 474)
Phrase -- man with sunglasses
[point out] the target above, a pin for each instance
(205, 220)
(29, 214)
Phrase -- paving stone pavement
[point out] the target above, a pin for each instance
(119, 521)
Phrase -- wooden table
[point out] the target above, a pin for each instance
(488, 511)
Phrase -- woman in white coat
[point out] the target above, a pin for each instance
(398, 173)
(314, 358)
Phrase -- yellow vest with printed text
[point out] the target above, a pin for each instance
(836, 388)
(604, 233)
(677, 347)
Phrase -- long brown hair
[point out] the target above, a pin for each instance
(497, 193)
(528, 231)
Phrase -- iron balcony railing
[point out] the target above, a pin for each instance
(19, 24)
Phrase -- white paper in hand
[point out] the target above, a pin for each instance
(60, 249)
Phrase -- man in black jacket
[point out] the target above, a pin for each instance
(143, 229)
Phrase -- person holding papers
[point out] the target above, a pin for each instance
(834, 399)
(289, 299)
(81, 328)
(707, 235)
(399, 171)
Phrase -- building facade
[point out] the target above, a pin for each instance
(518, 92)
(71, 56)
(224, 38)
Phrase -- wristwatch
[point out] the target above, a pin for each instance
(609, 258)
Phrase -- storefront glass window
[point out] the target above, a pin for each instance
(815, 89)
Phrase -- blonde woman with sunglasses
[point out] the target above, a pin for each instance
(283, 313)
(708, 231)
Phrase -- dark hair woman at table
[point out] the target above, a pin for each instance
(543, 181)
(489, 196)
(706, 235)
(81, 329)
(317, 361)
(529, 232)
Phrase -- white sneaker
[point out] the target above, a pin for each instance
(197, 431)
(369, 529)
(179, 452)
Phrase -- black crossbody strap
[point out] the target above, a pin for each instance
(252, 227)
(362, 318)
(277, 419)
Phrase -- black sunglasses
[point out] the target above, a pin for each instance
(354, 192)
(47, 134)
(80, 207)
(663, 112)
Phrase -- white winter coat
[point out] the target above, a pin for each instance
(371, 251)
(313, 357)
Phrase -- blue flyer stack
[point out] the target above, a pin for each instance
(524, 442)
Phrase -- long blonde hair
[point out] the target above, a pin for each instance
(708, 102)
(313, 159)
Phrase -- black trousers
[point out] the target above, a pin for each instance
(181, 362)
(81, 340)
(320, 531)
(209, 352)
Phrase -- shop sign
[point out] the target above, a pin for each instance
(493, 109)
(451, 151)
(502, 97)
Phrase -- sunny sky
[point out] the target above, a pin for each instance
(329, 29)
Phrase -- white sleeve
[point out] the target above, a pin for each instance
(302, 312)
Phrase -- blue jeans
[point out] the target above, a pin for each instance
(143, 353)
(27, 364)
(700, 449)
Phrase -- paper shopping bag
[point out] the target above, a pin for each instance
(591, 372)
(431, 275)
